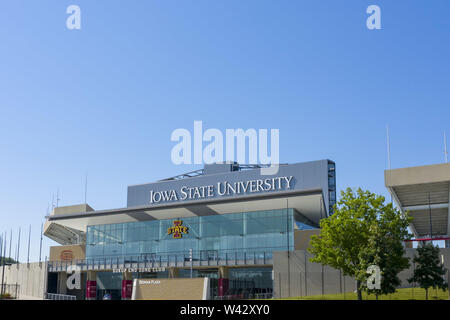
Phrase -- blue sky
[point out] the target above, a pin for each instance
(105, 99)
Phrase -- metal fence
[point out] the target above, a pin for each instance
(54, 296)
(332, 285)
(297, 277)
(10, 291)
(166, 260)
(244, 296)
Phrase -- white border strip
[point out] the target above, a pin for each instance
(205, 289)
(133, 295)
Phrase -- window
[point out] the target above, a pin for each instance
(259, 231)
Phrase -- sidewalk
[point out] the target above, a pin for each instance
(23, 297)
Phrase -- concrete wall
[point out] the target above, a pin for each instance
(171, 289)
(31, 279)
(417, 175)
(407, 273)
(72, 209)
(306, 278)
(298, 276)
(303, 237)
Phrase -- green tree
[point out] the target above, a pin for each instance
(7, 260)
(348, 238)
(429, 272)
(386, 249)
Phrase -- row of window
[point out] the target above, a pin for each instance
(270, 229)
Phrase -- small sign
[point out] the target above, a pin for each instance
(122, 270)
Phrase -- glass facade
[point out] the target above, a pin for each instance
(331, 186)
(208, 236)
(255, 280)
(109, 283)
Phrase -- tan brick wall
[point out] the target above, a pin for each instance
(169, 289)
(62, 253)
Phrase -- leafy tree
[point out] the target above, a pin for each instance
(386, 249)
(349, 239)
(7, 260)
(429, 272)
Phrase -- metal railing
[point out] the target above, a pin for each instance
(244, 296)
(165, 260)
(10, 290)
(331, 284)
(55, 296)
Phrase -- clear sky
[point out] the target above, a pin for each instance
(105, 99)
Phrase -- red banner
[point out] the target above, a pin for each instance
(127, 289)
(223, 286)
(91, 289)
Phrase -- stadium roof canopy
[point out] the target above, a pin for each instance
(423, 192)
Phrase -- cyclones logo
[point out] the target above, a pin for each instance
(66, 255)
(177, 229)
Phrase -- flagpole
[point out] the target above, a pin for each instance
(445, 147)
(28, 251)
(40, 245)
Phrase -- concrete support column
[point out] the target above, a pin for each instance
(127, 275)
(91, 285)
(91, 275)
(223, 282)
(173, 272)
(62, 283)
(223, 272)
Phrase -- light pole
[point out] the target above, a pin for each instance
(40, 244)
(3, 261)
(190, 259)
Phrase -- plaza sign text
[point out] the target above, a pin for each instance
(221, 189)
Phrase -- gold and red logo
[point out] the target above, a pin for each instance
(66, 255)
(177, 229)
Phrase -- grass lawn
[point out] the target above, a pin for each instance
(400, 294)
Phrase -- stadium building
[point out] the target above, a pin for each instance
(423, 192)
(207, 234)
